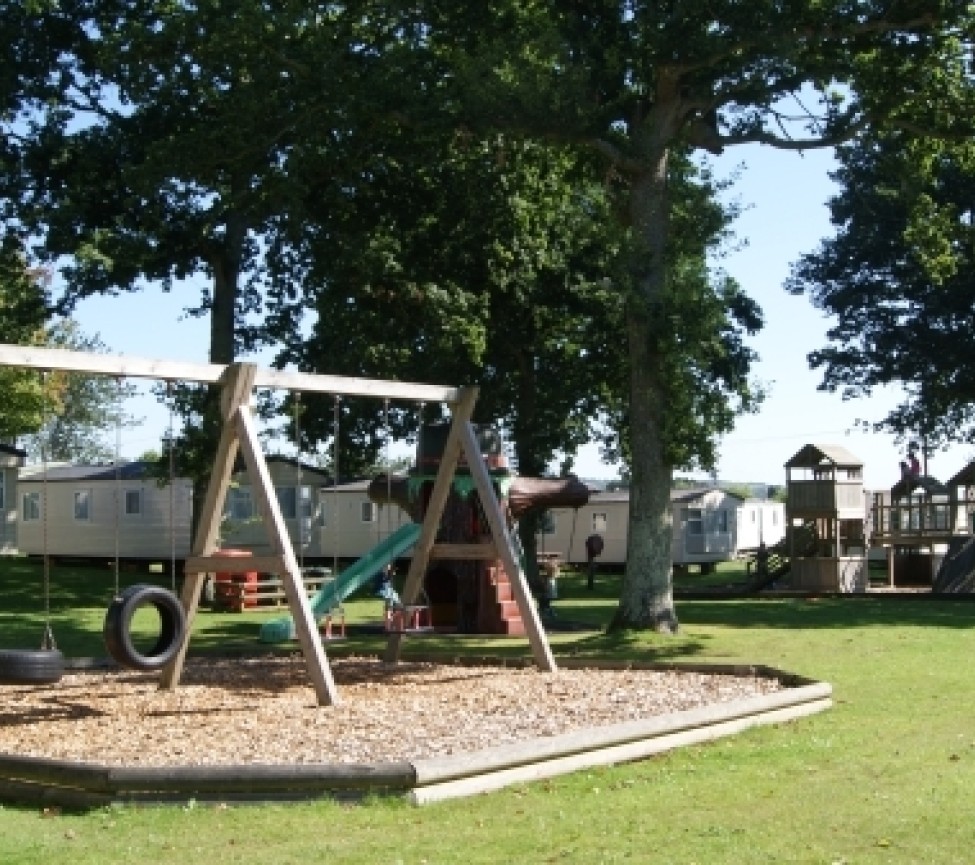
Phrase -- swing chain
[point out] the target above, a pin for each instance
(299, 512)
(48, 643)
(47, 640)
(118, 480)
(336, 412)
(171, 440)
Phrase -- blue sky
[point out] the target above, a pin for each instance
(785, 196)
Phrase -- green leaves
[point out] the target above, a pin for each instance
(897, 278)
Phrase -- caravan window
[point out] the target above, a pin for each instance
(599, 522)
(239, 505)
(133, 503)
(694, 518)
(369, 510)
(288, 498)
(287, 502)
(546, 523)
(307, 510)
(31, 509)
(82, 505)
(721, 522)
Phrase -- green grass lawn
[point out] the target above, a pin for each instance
(885, 776)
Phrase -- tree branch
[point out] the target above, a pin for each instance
(762, 136)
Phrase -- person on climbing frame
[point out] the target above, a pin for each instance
(914, 467)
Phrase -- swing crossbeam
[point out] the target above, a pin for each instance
(130, 366)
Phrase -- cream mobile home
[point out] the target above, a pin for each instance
(709, 526)
(102, 512)
(11, 462)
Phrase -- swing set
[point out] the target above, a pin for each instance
(238, 436)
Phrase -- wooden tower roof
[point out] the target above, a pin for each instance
(812, 456)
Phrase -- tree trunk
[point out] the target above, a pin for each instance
(225, 263)
(646, 595)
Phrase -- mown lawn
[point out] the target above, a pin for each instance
(884, 776)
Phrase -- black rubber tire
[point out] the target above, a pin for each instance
(29, 667)
(118, 622)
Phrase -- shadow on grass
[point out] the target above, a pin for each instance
(79, 597)
(636, 645)
(851, 611)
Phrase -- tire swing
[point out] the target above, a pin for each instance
(117, 629)
(118, 624)
(44, 666)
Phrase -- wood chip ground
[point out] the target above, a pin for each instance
(263, 711)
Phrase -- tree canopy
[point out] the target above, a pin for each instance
(897, 281)
(250, 140)
(23, 312)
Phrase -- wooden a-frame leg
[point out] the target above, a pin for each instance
(541, 650)
(462, 413)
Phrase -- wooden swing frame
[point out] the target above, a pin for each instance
(239, 434)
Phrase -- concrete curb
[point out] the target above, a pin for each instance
(423, 781)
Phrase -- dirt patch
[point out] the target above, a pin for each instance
(263, 711)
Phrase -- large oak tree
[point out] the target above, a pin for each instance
(638, 82)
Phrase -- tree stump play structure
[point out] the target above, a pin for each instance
(467, 585)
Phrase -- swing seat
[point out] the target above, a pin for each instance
(408, 618)
(332, 627)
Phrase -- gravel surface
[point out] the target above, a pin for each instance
(234, 711)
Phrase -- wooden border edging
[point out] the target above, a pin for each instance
(623, 753)
(37, 779)
(441, 778)
(85, 785)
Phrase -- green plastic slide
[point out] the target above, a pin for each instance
(335, 591)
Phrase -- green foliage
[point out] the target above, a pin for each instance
(81, 413)
(66, 416)
(22, 317)
(495, 262)
(897, 280)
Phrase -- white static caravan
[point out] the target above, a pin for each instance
(710, 526)
(103, 511)
(336, 521)
(12, 460)
(298, 487)
(353, 523)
